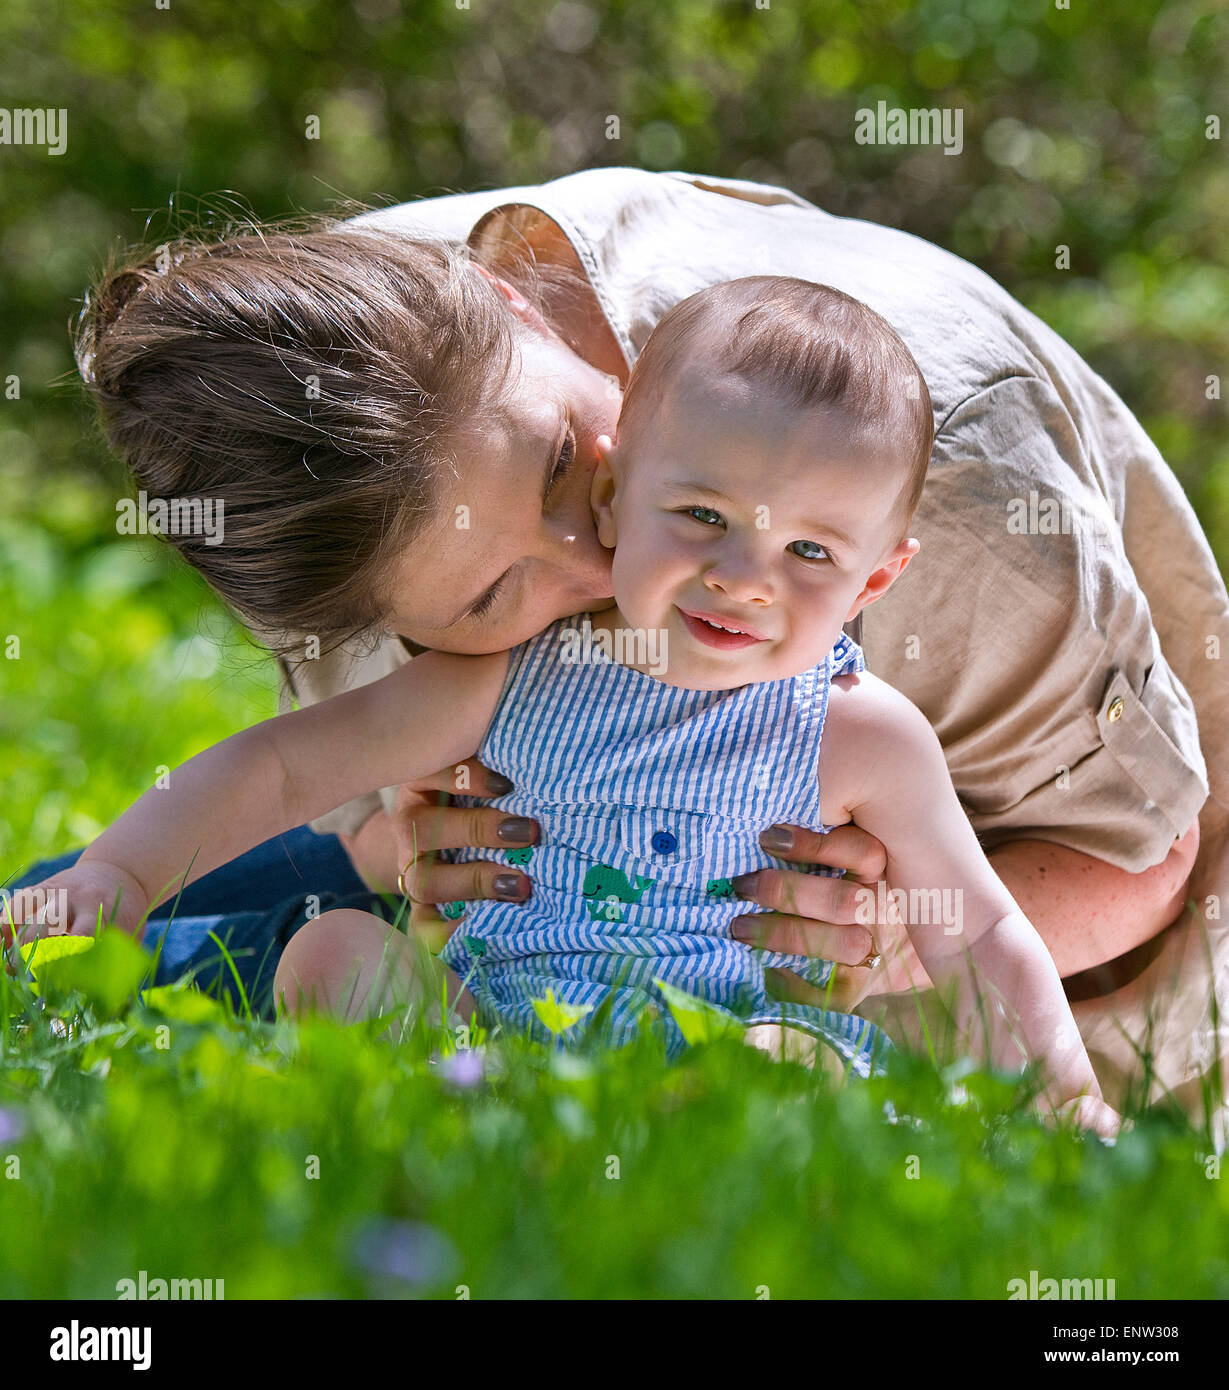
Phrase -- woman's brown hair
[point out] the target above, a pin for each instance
(309, 379)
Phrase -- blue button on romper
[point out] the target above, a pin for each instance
(650, 799)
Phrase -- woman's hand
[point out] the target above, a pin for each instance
(423, 825)
(845, 920)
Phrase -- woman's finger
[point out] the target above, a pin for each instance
(839, 901)
(845, 847)
(430, 927)
(468, 778)
(804, 936)
(428, 881)
(422, 828)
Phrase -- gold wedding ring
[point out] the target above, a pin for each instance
(401, 888)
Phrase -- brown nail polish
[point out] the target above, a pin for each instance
(498, 783)
(511, 888)
(516, 830)
(746, 884)
(777, 838)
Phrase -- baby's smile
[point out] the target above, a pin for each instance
(715, 630)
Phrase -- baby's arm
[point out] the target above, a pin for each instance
(279, 774)
(883, 766)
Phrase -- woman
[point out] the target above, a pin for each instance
(345, 395)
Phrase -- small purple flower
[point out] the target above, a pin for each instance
(463, 1069)
(12, 1125)
(409, 1252)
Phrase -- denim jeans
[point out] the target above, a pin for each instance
(254, 905)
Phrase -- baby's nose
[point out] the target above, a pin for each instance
(739, 584)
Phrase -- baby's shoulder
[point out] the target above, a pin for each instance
(867, 722)
(860, 703)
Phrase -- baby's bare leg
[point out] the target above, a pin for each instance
(355, 966)
(796, 1046)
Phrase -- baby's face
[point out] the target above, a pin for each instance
(733, 508)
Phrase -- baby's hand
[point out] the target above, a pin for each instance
(1091, 1112)
(68, 903)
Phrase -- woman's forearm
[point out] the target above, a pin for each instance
(1087, 911)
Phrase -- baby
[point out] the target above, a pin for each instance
(770, 454)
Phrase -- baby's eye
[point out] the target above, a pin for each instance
(705, 514)
(809, 550)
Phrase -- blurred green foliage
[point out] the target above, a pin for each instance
(1083, 126)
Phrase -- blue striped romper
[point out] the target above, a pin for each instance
(650, 799)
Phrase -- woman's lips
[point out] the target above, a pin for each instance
(713, 637)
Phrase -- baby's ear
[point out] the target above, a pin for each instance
(602, 492)
(885, 574)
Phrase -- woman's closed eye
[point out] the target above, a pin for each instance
(487, 601)
(567, 456)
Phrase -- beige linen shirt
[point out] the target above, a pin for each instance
(1054, 625)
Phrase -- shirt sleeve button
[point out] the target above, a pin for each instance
(1114, 713)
